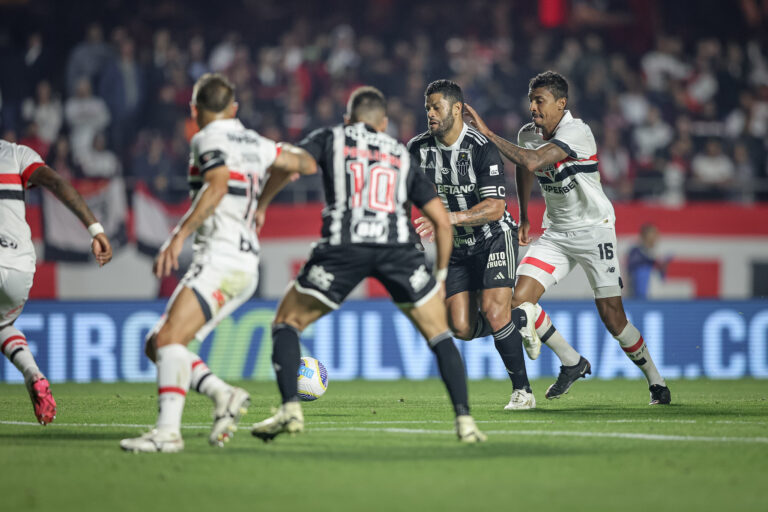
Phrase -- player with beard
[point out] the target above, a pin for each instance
(468, 173)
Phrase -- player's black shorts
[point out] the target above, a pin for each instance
(333, 271)
(492, 267)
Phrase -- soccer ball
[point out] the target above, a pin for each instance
(313, 379)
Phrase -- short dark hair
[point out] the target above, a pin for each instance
(213, 92)
(555, 82)
(365, 100)
(448, 88)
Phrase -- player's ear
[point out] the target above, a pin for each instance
(347, 119)
(233, 109)
(193, 111)
(383, 124)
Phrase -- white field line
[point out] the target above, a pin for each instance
(419, 431)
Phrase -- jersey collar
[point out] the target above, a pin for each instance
(455, 145)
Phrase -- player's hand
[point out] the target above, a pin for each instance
(523, 235)
(425, 229)
(168, 257)
(259, 217)
(101, 248)
(474, 119)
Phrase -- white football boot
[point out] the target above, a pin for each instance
(165, 441)
(288, 419)
(531, 340)
(229, 407)
(520, 401)
(467, 431)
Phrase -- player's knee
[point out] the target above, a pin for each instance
(167, 335)
(497, 316)
(462, 329)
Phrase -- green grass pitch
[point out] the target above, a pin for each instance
(390, 446)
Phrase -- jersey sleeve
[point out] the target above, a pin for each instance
(576, 140)
(315, 143)
(208, 151)
(420, 189)
(29, 161)
(269, 150)
(489, 171)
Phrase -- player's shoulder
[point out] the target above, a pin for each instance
(478, 138)
(528, 133)
(418, 140)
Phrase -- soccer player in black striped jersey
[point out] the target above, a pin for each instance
(370, 182)
(468, 173)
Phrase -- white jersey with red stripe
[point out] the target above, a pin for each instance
(571, 187)
(229, 231)
(17, 163)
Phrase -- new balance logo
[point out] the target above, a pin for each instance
(500, 275)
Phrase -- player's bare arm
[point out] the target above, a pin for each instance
(214, 189)
(437, 216)
(529, 159)
(487, 210)
(291, 163)
(524, 181)
(46, 177)
(294, 159)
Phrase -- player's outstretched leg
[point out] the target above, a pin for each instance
(573, 366)
(14, 346)
(286, 355)
(509, 344)
(612, 314)
(229, 403)
(173, 374)
(452, 372)
(634, 347)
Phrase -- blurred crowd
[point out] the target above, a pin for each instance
(678, 114)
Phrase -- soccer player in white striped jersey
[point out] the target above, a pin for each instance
(22, 168)
(228, 166)
(560, 151)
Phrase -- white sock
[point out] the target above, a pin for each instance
(172, 383)
(633, 345)
(204, 380)
(554, 340)
(14, 345)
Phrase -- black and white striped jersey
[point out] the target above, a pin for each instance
(370, 181)
(464, 174)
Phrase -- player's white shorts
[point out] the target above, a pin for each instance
(14, 291)
(555, 254)
(220, 287)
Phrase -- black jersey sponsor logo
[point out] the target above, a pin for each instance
(455, 190)
(467, 240)
(370, 228)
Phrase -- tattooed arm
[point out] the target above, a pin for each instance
(46, 177)
(530, 160)
(214, 189)
(487, 210)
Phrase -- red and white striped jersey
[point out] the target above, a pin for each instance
(571, 187)
(247, 155)
(17, 163)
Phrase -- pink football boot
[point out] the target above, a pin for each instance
(42, 400)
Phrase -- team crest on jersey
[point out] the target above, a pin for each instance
(548, 172)
(462, 163)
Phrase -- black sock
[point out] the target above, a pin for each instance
(452, 371)
(286, 355)
(482, 327)
(509, 343)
